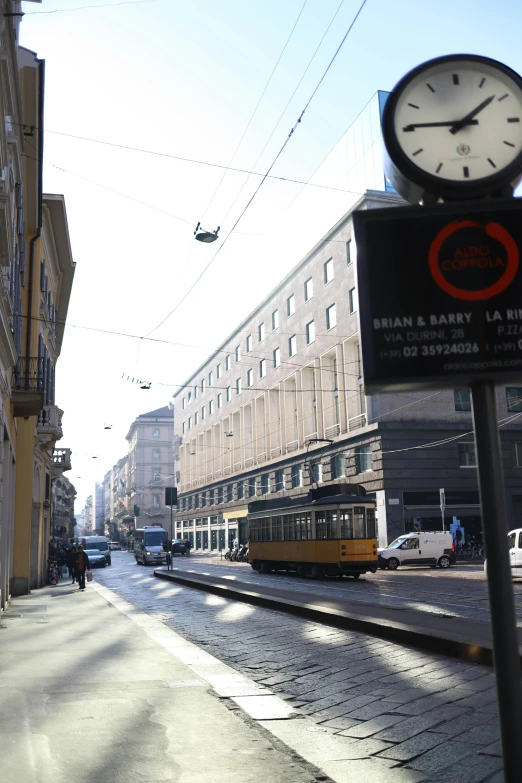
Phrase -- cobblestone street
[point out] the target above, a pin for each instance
(398, 705)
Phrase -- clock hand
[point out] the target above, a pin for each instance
(451, 123)
(467, 119)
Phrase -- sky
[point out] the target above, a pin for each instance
(183, 79)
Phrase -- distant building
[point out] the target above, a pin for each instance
(151, 466)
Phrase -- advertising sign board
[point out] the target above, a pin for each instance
(440, 294)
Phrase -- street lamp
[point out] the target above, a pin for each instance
(206, 236)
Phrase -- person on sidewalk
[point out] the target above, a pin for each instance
(71, 559)
(188, 545)
(62, 560)
(81, 565)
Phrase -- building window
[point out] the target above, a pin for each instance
(467, 458)
(310, 333)
(331, 317)
(354, 300)
(250, 378)
(183, 428)
(155, 433)
(514, 398)
(290, 305)
(156, 501)
(264, 484)
(211, 497)
(349, 252)
(249, 343)
(196, 419)
(230, 493)
(316, 472)
(218, 371)
(156, 454)
(210, 407)
(238, 353)
(183, 403)
(190, 422)
(261, 331)
(189, 398)
(202, 385)
(219, 400)
(227, 363)
(328, 271)
(518, 448)
(238, 385)
(337, 466)
(308, 289)
(277, 357)
(196, 392)
(279, 481)
(240, 491)
(229, 393)
(203, 499)
(462, 399)
(292, 345)
(203, 413)
(251, 487)
(156, 476)
(262, 368)
(220, 495)
(275, 320)
(363, 459)
(296, 476)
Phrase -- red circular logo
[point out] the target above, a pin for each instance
(473, 259)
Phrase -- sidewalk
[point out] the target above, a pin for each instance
(88, 695)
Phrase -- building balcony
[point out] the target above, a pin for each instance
(50, 422)
(27, 387)
(61, 461)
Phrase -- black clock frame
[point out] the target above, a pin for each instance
(415, 184)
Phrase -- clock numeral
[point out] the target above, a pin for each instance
(513, 119)
(483, 81)
(430, 87)
(465, 171)
(438, 168)
(456, 78)
(508, 143)
(504, 96)
(413, 106)
(493, 164)
(417, 151)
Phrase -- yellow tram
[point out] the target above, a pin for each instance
(328, 532)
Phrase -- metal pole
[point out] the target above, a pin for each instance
(503, 623)
(171, 537)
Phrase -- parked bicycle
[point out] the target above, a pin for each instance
(53, 574)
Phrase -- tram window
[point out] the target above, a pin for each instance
(370, 523)
(265, 529)
(306, 526)
(289, 527)
(359, 526)
(277, 532)
(346, 523)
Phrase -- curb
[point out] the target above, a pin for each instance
(450, 645)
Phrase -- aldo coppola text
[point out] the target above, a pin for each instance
(473, 257)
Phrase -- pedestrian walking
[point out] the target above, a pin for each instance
(71, 559)
(188, 545)
(62, 560)
(81, 565)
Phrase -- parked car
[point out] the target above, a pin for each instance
(96, 558)
(97, 542)
(114, 546)
(434, 549)
(515, 553)
(178, 547)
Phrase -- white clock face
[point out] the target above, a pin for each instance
(460, 121)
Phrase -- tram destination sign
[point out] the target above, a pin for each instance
(440, 294)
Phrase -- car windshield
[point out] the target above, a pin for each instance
(155, 538)
(93, 553)
(398, 541)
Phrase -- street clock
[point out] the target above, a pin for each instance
(452, 129)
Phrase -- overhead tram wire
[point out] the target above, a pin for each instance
(249, 202)
(274, 69)
(84, 7)
(287, 105)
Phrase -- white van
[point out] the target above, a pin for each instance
(434, 549)
(515, 553)
(97, 542)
